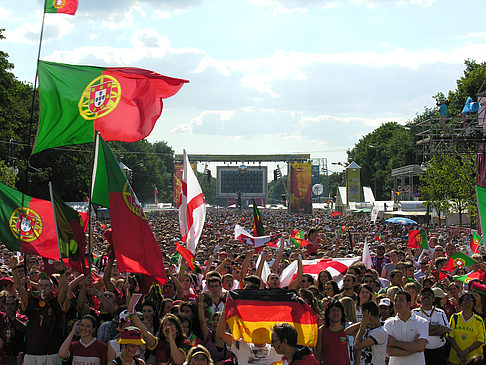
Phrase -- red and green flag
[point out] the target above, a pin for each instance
(27, 224)
(133, 241)
(418, 239)
(379, 237)
(476, 275)
(458, 260)
(186, 255)
(298, 238)
(476, 241)
(70, 230)
(258, 229)
(61, 6)
(481, 201)
(122, 103)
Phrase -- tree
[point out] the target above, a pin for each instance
(389, 146)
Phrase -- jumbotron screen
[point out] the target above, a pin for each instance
(251, 181)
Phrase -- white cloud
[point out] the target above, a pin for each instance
(5, 13)
(472, 35)
(28, 33)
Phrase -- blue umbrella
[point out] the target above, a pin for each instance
(400, 220)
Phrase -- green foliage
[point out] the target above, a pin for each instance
(448, 184)
(389, 146)
(7, 175)
(275, 191)
(336, 179)
(467, 85)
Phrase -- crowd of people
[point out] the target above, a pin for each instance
(403, 309)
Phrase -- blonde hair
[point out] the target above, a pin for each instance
(199, 349)
(349, 309)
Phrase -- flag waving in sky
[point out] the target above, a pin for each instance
(243, 235)
(123, 104)
(476, 241)
(192, 208)
(136, 249)
(61, 6)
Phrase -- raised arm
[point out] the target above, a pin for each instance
(202, 319)
(177, 284)
(294, 285)
(149, 338)
(278, 258)
(64, 349)
(107, 274)
(24, 297)
(221, 331)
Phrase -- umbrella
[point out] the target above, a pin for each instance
(401, 220)
(336, 214)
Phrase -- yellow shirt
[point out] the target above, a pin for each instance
(465, 333)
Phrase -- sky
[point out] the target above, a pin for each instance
(266, 76)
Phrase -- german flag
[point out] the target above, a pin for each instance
(250, 315)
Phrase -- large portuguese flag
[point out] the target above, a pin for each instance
(136, 249)
(123, 104)
(61, 6)
(27, 224)
(250, 315)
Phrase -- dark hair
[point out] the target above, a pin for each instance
(329, 277)
(335, 287)
(286, 331)
(427, 290)
(92, 319)
(408, 297)
(367, 287)
(309, 277)
(214, 279)
(179, 340)
(395, 272)
(356, 269)
(351, 276)
(254, 280)
(156, 320)
(466, 294)
(370, 307)
(331, 304)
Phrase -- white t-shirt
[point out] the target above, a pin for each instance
(406, 331)
(249, 354)
(376, 354)
(434, 316)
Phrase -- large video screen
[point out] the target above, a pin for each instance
(251, 181)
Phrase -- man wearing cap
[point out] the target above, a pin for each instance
(385, 308)
(438, 327)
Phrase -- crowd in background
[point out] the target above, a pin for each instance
(406, 309)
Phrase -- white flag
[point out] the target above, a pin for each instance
(192, 208)
(366, 257)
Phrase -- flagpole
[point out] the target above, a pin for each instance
(90, 196)
(55, 220)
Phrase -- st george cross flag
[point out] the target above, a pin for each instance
(192, 208)
(243, 235)
(337, 268)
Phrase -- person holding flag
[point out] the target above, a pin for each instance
(192, 213)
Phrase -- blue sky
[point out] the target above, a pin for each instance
(266, 76)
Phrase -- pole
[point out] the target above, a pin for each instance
(55, 220)
(94, 166)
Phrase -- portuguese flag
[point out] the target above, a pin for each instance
(186, 255)
(133, 241)
(476, 275)
(417, 239)
(70, 229)
(379, 237)
(298, 238)
(475, 242)
(250, 315)
(258, 229)
(27, 224)
(61, 6)
(123, 104)
(458, 260)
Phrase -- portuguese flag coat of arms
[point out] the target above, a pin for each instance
(458, 260)
(27, 224)
(61, 6)
(122, 103)
(136, 249)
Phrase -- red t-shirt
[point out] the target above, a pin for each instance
(93, 353)
(334, 347)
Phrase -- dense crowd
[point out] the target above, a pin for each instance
(405, 309)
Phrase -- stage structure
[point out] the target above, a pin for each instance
(242, 182)
(462, 137)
